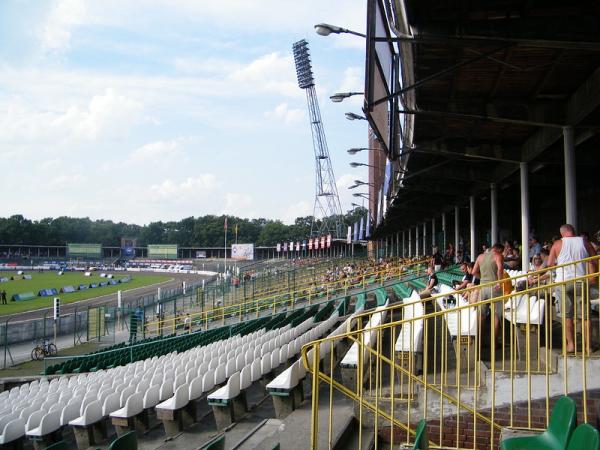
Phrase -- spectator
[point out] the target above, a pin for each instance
(3, 296)
(437, 260)
(466, 279)
(535, 247)
(510, 255)
(187, 323)
(489, 267)
(432, 282)
(568, 250)
(449, 255)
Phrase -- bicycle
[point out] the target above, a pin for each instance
(43, 349)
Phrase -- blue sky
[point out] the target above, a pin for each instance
(139, 111)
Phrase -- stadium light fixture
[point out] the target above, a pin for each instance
(341, 96)
(354, 116)
(325, 29)
(357, 164)
(361, 194)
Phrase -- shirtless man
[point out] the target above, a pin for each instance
(568, 249)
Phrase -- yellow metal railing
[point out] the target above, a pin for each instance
(441, 359)
(307, 295)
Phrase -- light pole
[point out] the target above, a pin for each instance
(354, 116)
(339, 97)
(325, 29)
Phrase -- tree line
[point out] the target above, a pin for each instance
(204, 231)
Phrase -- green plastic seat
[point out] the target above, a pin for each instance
(126, 442)
(60, 445)
(586, 437)
(562, 423)
(421, 438)
(217, 443)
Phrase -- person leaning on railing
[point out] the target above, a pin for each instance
(567, 251)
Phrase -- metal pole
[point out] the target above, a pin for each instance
(403, 244)
(417, 240)
(432, 234)
(409, 242)
(443, 231)
(472, 220)
(524, 216)
(570, 178)
(424, 238)
(456, 229)
(494, 212)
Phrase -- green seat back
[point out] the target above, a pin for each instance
(60, 445)
(560, 430)
(126, 442)
(421, 439)
(563, 420)
(217, 443)
(584, 436)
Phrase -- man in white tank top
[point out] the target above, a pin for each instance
(567, 250)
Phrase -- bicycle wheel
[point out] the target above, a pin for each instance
(37, 353)
(51, 351)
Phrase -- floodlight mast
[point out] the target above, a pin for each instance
(327, 201)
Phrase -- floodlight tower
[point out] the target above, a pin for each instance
(327, 201)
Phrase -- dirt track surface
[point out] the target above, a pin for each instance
(111, 299)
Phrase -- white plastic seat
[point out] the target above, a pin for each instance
(220, 374)
(133, 406)
(12, 430)
(195, 388)
(227, 392)
(49, 423)
(179, 380)
(410, 335)
(69, 412)
(283, 353)
(91, 415)
(286, 380)
(274, 359)
(208, 381)
(111, 403)
(178, 400)
(240, 361)
(125, 394)
(166, 389)
(265, 364)
(151, 397)
(245, 377)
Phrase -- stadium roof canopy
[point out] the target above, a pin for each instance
(483, 86)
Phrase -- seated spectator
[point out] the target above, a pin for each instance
(449, 254)
(511, 256)
(539, 263)
(432, 282)
(466, 279)
(535, 247)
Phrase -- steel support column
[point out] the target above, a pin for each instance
(456, 229)
(432, 234)
(472, 227)
(524, 216)
(570, 177)
(417, 247)
(424, 238)
(494, 212)
(444, 232)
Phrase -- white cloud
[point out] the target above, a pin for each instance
(184, 191)
(55, 34)
(160, 151)
(212, 66)
(284, 113)
(107, 115)
(353, 81)
(67, 181)
(239, 204)
(271, 73)
(298, 209)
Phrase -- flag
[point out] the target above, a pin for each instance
(361, 230)
(298, 246)
(225, 227)
(355, 231)
(310, 244)
(285, 247)
(349, 236)
(322, 241)
(278, 248)
(368, 225)
(328, 240)
(316, 244)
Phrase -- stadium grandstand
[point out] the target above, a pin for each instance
(483, 120)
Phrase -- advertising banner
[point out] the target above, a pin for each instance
(242, 252)
(278, 248)
(349, 236)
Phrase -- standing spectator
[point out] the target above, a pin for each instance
(489, 268)
(437, 260)
(187, 323)
(568, 250)
(3, 296)
(449, 255)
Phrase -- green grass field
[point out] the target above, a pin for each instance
(51, 279)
